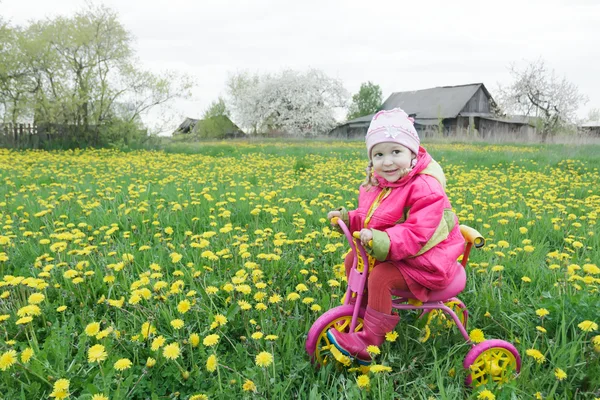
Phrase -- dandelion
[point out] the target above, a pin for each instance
(158, 343)
(61, 308)
(210, 340)
(122, 364)
(194, 339)
(175, 257)
(503, 244)
(363, 381)
(211, 363)
(476, 336)
(497, 268)
(523, 230)
(99, 396)
(536, 354)
(249, 386)
(36, 298)
(199, 397)
(528, 249)
(97, 353)
(264, 359)
(486, 395)
(380, 368)
(541, 312)
(61, 389)
(588, 326)
(92, 329)
(391, 336)
(271, 337)
(24, 320)
(220, 319)
(171, 351)
(148, 329)
(7, 359)
(541, 329)
(177, 323)
(26, 355)
(560, 374)
(150, 362)
(184, 306)
(257, 335)
(293, 296)
(526, 279)
(373, 350)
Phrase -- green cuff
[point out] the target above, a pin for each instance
(381, 245)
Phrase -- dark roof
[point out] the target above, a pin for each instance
(438, 102)
(189, 123)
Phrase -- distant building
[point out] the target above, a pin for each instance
(219, 127)
(590, 128)
(449, 110)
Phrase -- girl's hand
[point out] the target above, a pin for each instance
(366, 236)
(333, 214)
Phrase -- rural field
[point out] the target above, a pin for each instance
(196, 272)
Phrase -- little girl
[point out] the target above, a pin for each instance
(404, 210)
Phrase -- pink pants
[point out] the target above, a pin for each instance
(382, 279)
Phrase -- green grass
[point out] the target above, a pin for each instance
(274, 196)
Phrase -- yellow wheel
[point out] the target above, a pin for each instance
(491, 361)
(317, 343)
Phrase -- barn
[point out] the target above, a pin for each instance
(448, 111)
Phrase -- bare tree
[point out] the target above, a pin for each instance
(537, 91)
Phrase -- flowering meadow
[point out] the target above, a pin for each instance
(196, 273)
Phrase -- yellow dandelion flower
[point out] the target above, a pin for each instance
(541, 329)
(526, 279)
(264, 359)
(24, 320)
(147, 329)
(150, 362)
(380, 368)
(194, 339)
(26, 355)
(536, 354)
(99, 396)
(122, 364)
(36, 298)
(560, 374)
(177, 323)
(257, 335)
(199, 397)
(210, 340)
(184, 306)
(158, 343)
(7, 359)
(363, 381)
(171, 351)
(588, 326)
(212, 363)
(391, 336)
(486, 395)
(373, 350)
(249, 386)
(61, 308)
(97, 353)
(92, 329)
(220, 319)
(541, 312)
(476, 336)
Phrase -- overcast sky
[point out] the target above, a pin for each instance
(399, 45)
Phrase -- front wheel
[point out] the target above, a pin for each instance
(492, 360)
(317, 342)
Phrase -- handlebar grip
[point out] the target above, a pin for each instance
(356, 235)
(472, 236)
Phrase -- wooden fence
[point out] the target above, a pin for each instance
(28, 136)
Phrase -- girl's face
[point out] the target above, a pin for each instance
(391, 160)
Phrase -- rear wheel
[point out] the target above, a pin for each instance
(493, 360)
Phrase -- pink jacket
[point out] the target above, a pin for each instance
(413, 226)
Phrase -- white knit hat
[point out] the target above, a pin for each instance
(392, 126)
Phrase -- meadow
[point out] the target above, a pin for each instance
(195, 272)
